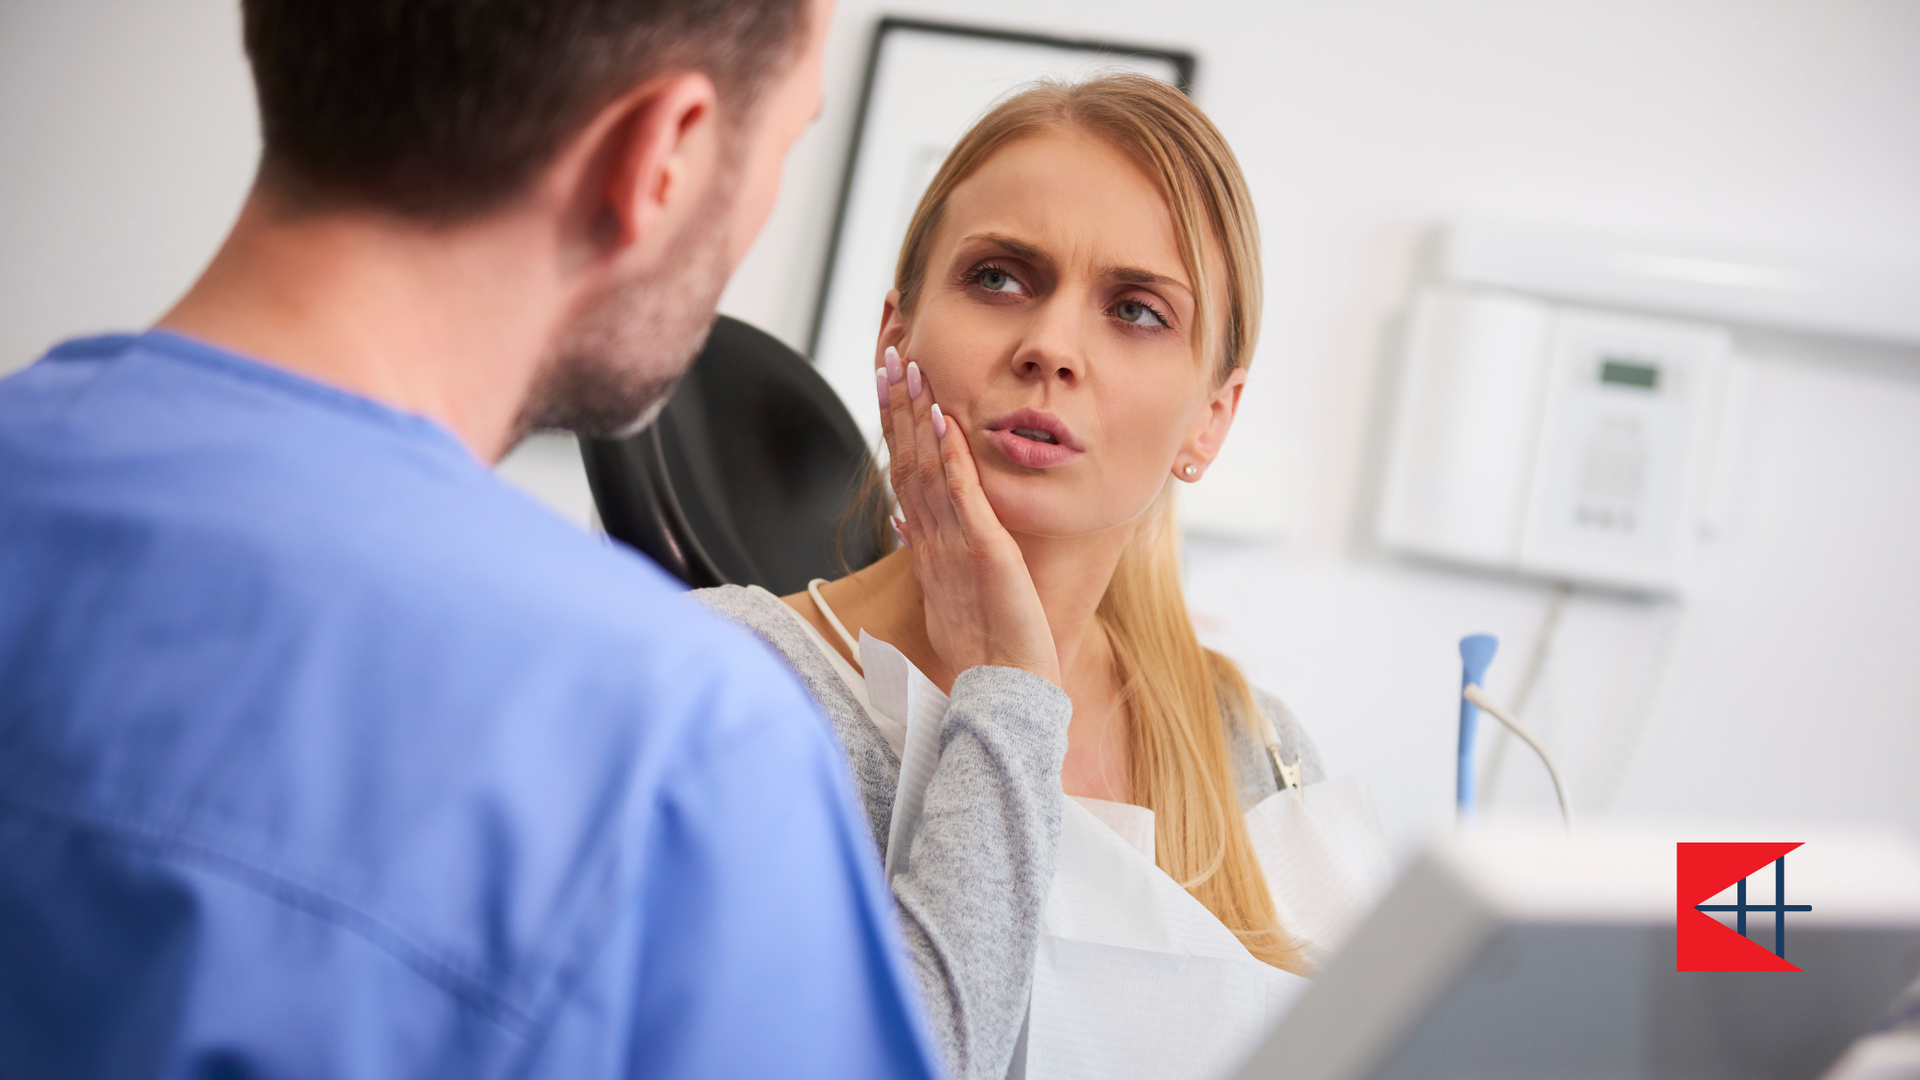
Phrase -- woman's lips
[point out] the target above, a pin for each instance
(1034, 455)
(1034, 439)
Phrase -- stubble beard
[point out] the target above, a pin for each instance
(613, 369)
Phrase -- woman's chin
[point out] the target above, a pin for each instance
(1026, 508)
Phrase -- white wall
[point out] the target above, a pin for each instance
(127, 141)
(1788, 691)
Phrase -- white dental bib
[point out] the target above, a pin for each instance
(1134, 977)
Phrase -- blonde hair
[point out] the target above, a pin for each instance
(1175, 688)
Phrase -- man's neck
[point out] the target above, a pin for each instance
(448, 323)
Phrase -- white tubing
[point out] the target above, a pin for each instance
(1479, 697)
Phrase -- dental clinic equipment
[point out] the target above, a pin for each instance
(1562, 443)
(1476, 653)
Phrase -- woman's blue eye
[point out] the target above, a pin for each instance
(1137, 313)
(998, 281)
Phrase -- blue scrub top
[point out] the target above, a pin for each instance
(324, 753)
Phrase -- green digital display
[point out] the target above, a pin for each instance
(1630, 373)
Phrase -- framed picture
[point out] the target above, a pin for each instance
(926, 84)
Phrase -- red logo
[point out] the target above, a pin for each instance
(1707, 944)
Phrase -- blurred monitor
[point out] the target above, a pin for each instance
(1538, 956)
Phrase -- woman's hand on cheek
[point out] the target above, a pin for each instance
(981, 606)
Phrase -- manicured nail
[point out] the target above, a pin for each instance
(939, 422)
(913, 381)
(880, 382)
(894, 374)
(899, 533)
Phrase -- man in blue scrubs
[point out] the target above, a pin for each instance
(322, 753)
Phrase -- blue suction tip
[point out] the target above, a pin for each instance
(1476, 653)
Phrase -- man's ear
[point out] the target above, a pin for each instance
(658, 149)
(1212, 423)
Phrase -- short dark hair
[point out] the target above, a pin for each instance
(443, 109)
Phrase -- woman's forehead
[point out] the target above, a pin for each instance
(1075, 196)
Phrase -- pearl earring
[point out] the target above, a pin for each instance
(1191, 470)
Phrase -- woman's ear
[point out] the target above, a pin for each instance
(893, 327)
(1210, 427)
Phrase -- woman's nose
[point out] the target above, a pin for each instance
(1053, 347)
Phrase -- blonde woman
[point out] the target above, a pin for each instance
(1075, 305)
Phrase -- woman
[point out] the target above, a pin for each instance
(1076, 302)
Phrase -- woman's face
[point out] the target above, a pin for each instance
(1056, 326)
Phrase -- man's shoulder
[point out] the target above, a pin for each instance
(335, 658)
(172, 458)
(334, 568)
(497, 589)
(515, 576)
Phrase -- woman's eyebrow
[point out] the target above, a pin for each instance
(1133, 275)
(1019, 249)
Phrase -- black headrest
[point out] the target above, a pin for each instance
(747, 475)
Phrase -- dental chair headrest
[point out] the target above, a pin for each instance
(746, 476)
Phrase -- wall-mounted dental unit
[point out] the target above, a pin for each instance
(1568, 400)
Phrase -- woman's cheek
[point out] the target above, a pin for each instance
(939, 346)
(1143, 480)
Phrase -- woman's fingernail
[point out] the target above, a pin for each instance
(899, 533)
(913, 381)
(894, 374)
(880, 382)
(939, 422)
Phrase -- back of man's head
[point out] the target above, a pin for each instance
(443, 109)
(594, 169)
